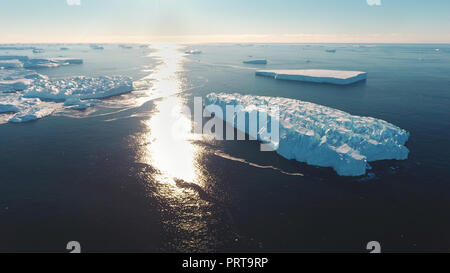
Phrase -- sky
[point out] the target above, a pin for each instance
(239, 21)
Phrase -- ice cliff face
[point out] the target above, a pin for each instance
(323, 136)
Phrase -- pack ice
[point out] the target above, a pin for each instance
(339, 77)
(34, 96)
(10, 62)
(319, 135)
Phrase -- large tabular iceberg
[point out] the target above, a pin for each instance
(320, 135)
(316, 75)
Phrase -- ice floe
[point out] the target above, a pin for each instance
(34, 63)
(193, 51)
(97, 47)
(319, 135)
(125, 46)
(24, 110)
(255, 62)
(316, 75)
(8, 64)
(13, 85)
(34, 96)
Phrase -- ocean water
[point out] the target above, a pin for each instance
(129, 175)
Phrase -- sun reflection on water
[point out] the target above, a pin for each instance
(169, 139)
(168, 146)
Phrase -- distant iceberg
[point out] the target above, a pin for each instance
(96, 47)
(125, 46)
(34, 63)
(16, 48)
(38, 50)
(50, 63)
(315, 75)
(8, 64)
(331, 50)
(255, 62)
(193, 51)
(322, 136)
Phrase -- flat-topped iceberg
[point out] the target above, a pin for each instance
(255, 62)
(339, 77)
(319, 135)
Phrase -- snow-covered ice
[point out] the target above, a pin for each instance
(25, 110)
(13, 85)
(316, 75)
(8, 64)
(35, 96)
(255, 62)
(322, 136)
(79, 87)
(33, 63)
(50, 63)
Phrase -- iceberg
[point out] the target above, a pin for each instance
(316, 75)
(8, 108)
(24, 61)
(40, 96)
(16, 48)
(97, 47)
(79, 87)
(66, 61)
(25, 110)
(331, 50)
(255, 62)
(320, 135)
(38, 50)
(13, 57)
(193, 51)
(14, 85)
(125, 46)
(9, 64)
(50, 63)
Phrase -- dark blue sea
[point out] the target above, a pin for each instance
(117, 178)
